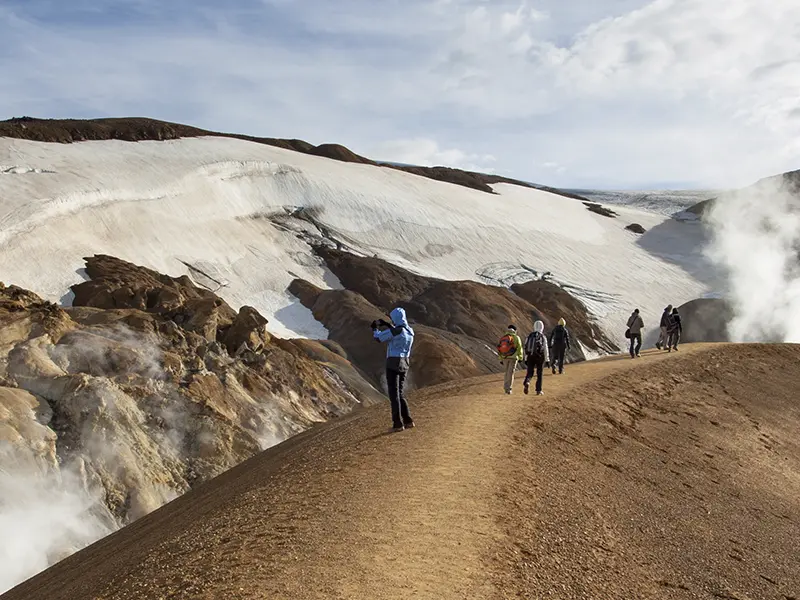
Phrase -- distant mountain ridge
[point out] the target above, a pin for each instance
(789, 181)
(136, 129)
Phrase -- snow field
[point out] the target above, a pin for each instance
(212, 203)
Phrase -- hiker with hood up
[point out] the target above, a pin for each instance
(559, 344)
(634, 332)
(536, 357)
(400, 337)
(509, 349)
(666, 322)
(675, 331)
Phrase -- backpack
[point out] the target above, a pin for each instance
(559, 336)
(534, 346)
(506, 347)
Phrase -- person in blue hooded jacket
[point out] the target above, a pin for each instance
(400, 337)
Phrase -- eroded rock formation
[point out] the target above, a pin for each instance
(457, 322)
(149, 385)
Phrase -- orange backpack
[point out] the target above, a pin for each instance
(506, 347)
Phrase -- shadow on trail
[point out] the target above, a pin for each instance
(383, 434)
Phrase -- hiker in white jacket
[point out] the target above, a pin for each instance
(536, 356)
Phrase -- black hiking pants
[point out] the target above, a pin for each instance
(673, 338)
(559, 353)
(395, 382)
(636, 344)
(538, 367)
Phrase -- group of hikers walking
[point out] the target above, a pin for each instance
(669, 335)
(538, 352)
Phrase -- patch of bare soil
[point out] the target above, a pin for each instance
(665, 477)
(678, 480)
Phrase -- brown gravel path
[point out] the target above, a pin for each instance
(666, 477)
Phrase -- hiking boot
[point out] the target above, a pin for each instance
(508, 392)
(397, 428)
(540, 393)
(526, 388)
(658, 346)
(409, 425)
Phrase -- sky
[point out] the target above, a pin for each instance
(614, 94)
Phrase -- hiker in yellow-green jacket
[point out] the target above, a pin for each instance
(510, 351)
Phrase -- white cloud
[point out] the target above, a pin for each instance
(704, 91)
(512, 20)
(427, 153)
(554, 166)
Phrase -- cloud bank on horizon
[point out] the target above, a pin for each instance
(664, 93)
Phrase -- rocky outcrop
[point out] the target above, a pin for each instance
(556, 303)
(438, 357)
(457, 322)
(599, 209)
(380, 282)
(248, 332)
(636, 228)
(705, 320)
(334, 358)
(26, 443)
(149, 385)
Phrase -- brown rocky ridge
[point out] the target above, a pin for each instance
(457, 323)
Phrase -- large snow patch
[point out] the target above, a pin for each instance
(234, 215)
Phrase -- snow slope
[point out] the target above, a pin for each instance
(224, 211)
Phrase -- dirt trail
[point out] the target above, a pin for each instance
(664, 477)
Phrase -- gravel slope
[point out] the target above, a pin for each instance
(673, 476)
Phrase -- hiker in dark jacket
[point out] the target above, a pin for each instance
(559, 344)
(536, 356)
(674, 331)
(400, 338)
(635, 326)
(666, 320)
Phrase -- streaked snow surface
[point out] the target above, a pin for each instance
(225, 212)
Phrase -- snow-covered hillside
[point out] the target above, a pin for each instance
(226, 212)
